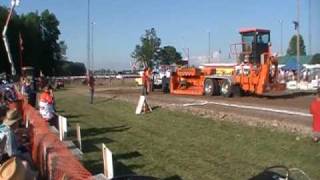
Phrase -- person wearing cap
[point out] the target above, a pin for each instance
(46, 103)
(7, 129)
(315, 111)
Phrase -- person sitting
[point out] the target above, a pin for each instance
(46, 104)
(11, 142)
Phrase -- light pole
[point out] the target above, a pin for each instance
(209, 46)
(88, 38)
(92, 48)
(298, 40)
(14, 3)
(310, 33)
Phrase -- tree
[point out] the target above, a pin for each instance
(292, 49)
(146, 52)
(168, 55)
(49, 26)
(315, 59)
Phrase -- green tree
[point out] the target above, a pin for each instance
(146, 52)
(315, 59)
(169, 55)
(292, 49)
(32, 42)
(50, 35)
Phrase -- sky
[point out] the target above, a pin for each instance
(119, 24)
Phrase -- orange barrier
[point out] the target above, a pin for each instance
(49, 154)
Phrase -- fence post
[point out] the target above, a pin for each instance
(107, 162)
(62, 121)
(79, 136)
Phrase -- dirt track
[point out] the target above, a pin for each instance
(281, 121)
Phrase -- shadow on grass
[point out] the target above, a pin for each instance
(105, 100)
(99, 131)
(60, 111)
(94, 144)
(130, 155)
(175, 177)
(120, 169)
(71, 116)
(155, 107)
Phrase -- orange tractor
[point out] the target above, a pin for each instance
(255, 73)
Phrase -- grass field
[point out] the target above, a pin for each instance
(175, 145)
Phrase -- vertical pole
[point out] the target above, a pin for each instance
(92, 52)
(310, 31)
(79, 136)
(209, 46)
(298, 40)
(88, 37)
(5, 40)
(281, 38)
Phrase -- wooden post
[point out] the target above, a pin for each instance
(79, 136)
(27, 121)
(107, 162)
(60, 129)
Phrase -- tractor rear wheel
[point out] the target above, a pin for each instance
(226, 88)
(211, 87)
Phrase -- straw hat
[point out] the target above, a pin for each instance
(15, 168)
(12, 117)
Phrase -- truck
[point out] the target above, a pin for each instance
(255, 72)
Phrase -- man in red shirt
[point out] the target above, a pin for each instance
(315, 111)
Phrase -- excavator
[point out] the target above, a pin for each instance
(255, 73)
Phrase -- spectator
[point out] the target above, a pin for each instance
(17, 168)
(46, 104)
(315, 111)
(28, 91)
(9, 125)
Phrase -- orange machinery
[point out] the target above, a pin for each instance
(256, 72)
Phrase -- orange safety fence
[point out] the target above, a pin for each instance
(51, 156)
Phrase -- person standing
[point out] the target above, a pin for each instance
(315, 111)
(91, 84)
(46, 105)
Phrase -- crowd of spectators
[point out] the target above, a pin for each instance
(15, 159)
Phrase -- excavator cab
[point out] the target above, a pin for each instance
(254, 43)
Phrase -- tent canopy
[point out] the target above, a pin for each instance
(292, 65)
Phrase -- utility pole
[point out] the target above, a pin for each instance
(92, 48)
(298, 40)
(310, 33)
(88, 38)
(209, 46)
(281, 38)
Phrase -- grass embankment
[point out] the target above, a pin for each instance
(175, 145)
